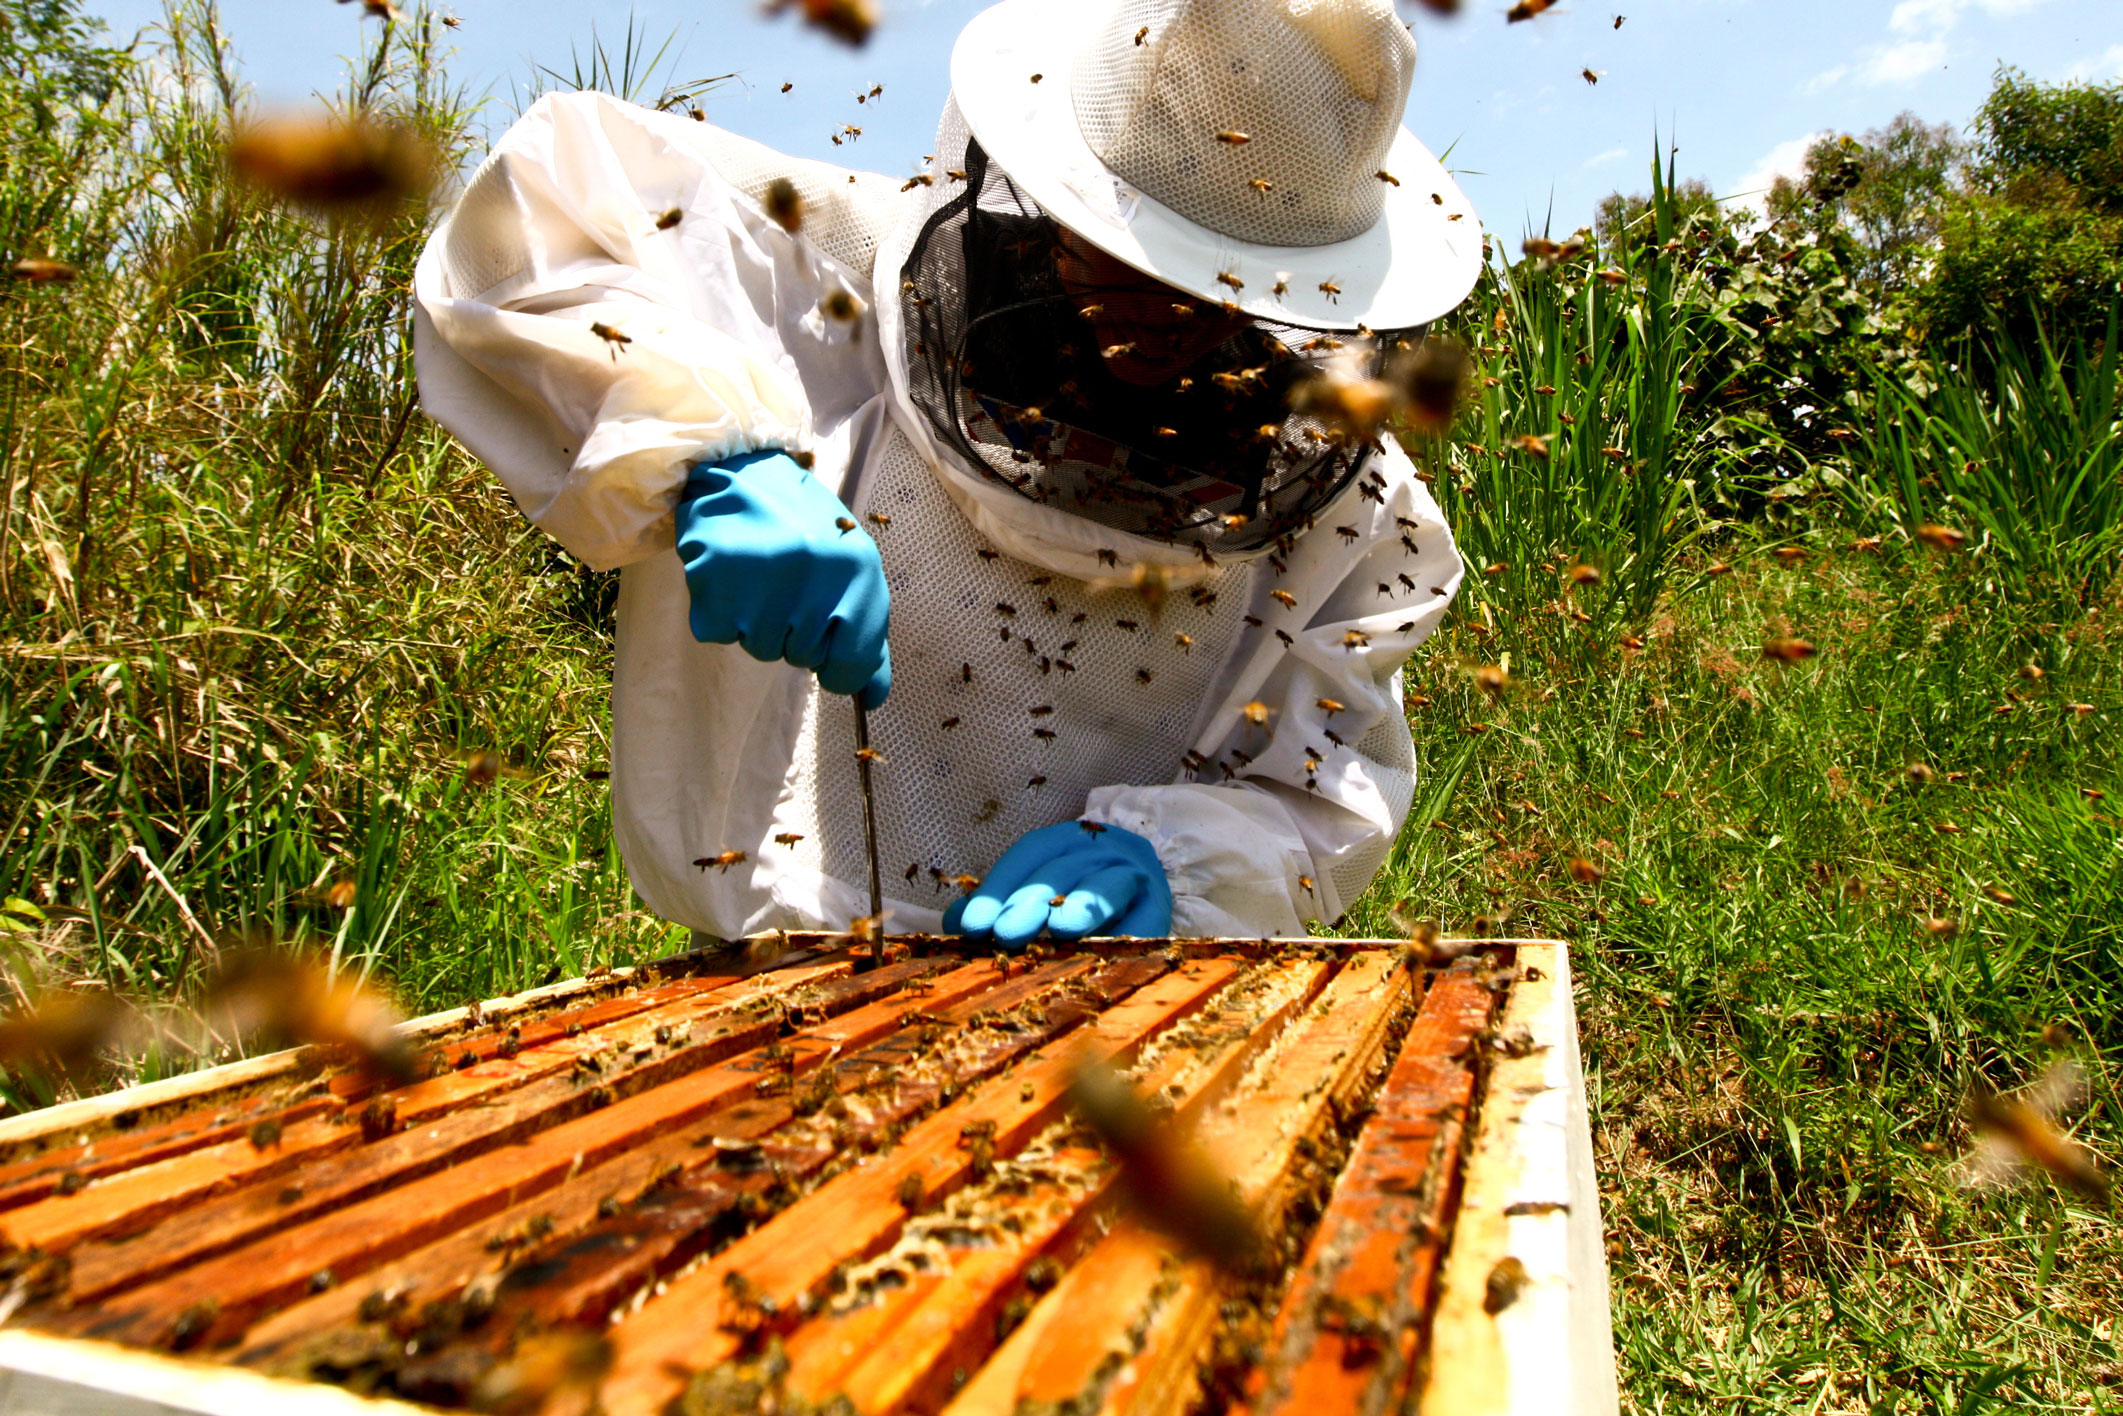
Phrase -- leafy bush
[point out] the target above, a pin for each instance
(2039, 238)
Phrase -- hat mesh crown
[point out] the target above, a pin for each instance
(1316, 86)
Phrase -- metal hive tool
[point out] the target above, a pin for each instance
(850, 1181)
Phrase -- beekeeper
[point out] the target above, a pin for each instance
(1009, 450)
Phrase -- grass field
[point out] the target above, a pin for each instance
(279, 658)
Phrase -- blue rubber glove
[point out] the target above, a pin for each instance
(1108, 881)
(775, 563)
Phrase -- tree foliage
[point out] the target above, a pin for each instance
(1889, 189)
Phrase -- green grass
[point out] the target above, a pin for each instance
(257, 616)
(1777, 1046)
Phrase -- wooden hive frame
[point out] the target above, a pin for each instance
(843, 1182)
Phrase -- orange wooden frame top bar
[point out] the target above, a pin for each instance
(843, 1178)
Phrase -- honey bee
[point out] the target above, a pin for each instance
(1234, 138)
(1284, 598)
(1118, 351)
(1355, 639)
(1329, 706)
(1493, 680)
(787, 86)
(560, 1362)
(615, 340)
(1255, 713)
(66, 1031)
(2016, 1133)
(1790, 555)
(42, 270)
(1387, 177)
(333, 165)
(1941, 538)
(787, 838)
(1171, 1184)
(948, 724)
(1144, 676)
(869, 755)
(1496, 568)
(1108, 556)
(1580, 573)
(1592, 76)
(1998, 894)
(1532, 444)
(784, 205)
(1585, 872)
(841, 307)
(845, 523)
(1347, 533)
(722, 862)
(1786, 650)
(1260, 184)
(670, 218)
(1280, 288)
(1230, 278)
(1332, 291)
(1035, 782)
(301, 998)
(1717, 568)
(1142, 36)
(1310, 887)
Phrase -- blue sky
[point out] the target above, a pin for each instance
(1740, 85)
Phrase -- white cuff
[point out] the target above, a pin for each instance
(1231, 853)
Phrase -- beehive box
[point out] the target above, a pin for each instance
(843, 1182)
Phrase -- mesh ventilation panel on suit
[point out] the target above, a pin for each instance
(1011, 377)
(1151, 109)
(1123, 692)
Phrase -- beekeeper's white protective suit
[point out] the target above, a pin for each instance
(998, 611)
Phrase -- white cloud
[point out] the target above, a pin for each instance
(2108, 65)
(1901, 63)
(1827, 78)
(1786, 159)
(1921, 29)
(1601, 159)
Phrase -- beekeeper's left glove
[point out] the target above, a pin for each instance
(775, 563)
(1074, 879)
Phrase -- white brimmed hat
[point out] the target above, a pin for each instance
(1207, 142)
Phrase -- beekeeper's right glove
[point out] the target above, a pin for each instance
(774, 562)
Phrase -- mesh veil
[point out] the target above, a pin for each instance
(1010, 377)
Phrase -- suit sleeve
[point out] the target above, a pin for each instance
(594, 317)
